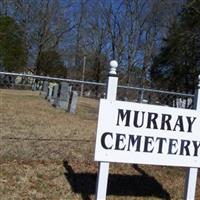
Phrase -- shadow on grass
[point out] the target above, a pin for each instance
(118, 185)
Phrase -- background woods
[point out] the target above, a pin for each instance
(154, 41)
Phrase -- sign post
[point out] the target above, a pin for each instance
(190, 184)
(104, 166)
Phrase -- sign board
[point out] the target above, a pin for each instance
(147, 134)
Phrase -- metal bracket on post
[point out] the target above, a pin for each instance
(103, 171)
(191, 178)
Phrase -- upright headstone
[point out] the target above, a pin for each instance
(44, 91)
(55, 91)
(63, 90)
(12, 81)
(39, 84)
(34, 86)
(64, 97)
(50, 92)
(73, 102)
(6, 81)
(54, 94)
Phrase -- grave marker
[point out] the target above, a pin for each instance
(44, 91)
(63, 99)
(34, 86)
(50, 92)
(55, 91)
(73, 102)
(54, 94)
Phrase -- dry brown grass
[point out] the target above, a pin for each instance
(47, 153)
(35, 129)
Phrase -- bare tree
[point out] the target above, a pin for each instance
(4, 7)
(146, 25)
(98, 39)
(160, 15)
(130, 31)
(45, 23)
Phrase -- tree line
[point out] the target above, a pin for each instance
(150, 39)
(178, 63)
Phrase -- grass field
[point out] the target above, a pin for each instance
(46, 153)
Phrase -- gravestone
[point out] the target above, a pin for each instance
(34, 86)
(64, 97)
(54, 94)
(7, 81)
(73, 102)
(12, 81)
(50, 92)
(39, 84)
(44, 91)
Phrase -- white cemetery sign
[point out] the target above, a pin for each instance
(147, 134)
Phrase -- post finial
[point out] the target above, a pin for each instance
(113, 67)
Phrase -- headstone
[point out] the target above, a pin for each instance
(34, 86)
(55, 91)
(50, 92)
(54, 94)
(39, 85)
(44, 91)
(12, 81)
(73, 102)
(64, 97)
(64, 90)
(7, 81)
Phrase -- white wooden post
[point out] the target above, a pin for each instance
(104, 166)
(191, 179)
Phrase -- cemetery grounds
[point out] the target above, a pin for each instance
(47, 153)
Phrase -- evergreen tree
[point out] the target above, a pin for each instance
(51, 64)
(178, 64)
(13, 54)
